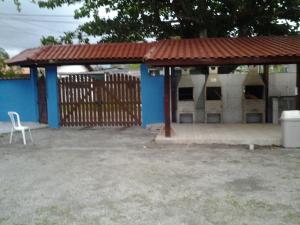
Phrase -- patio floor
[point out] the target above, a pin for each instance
(231, 134)
(5, 127)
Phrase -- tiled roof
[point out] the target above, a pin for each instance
(100, 52)
(26, 56)
(76, 54)
(206, 51)
(224, 50)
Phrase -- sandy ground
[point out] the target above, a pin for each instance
(5, 127)
(120, 176)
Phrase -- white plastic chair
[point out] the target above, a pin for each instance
(16, 126)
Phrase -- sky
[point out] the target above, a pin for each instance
(22, 30)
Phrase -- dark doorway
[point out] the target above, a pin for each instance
(42, 100)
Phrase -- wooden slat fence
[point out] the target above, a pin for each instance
(86, 101)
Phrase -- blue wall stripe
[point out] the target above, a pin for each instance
(152, 92)
(20, 96)
(52, 96)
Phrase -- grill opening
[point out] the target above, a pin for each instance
(254, 118)
(213, 118)
(185, 94)
(254, 92)
(213, 93)
(186, 118)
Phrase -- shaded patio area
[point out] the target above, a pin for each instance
(229, 134)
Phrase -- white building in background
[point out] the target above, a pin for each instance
(76, 69)
(99, 70)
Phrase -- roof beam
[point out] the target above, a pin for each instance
(225, 61)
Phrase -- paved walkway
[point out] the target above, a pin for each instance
(6, 126)
(231, 134)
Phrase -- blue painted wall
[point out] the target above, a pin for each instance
(20, 95)
(152, 92)
(52, 97)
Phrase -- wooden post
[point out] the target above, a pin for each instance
(167, 102)
(266, 80)
(298, 87)
(173, 95)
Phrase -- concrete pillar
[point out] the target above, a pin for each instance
(52, 96)
(34, 84)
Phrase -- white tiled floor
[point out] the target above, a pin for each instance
(231, 134)
(6, 126)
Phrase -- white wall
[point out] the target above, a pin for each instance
(281, 84)
(232, 91)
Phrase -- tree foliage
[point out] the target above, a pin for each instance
(17, 3)
(67, 38)
(3, 56)
(137, 20)
(140, 19)
(50, 40)
(4, 70)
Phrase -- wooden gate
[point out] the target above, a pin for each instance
(88, 101)
(42, 100)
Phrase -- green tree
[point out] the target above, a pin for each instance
(67, 38)
(3, 56)
(4, 69)
(50, 40)
(140, 19)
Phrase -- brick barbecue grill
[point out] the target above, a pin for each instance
(185, 99)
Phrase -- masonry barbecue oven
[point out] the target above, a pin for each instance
(185, 99)
(213, 97)
(253, 97)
